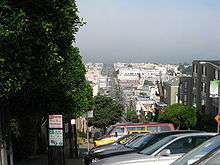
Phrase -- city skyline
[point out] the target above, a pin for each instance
(158, 31)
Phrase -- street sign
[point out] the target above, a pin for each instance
(90, 114)
(217, 118)
(55, 137)
(73, 121)
(55, 121)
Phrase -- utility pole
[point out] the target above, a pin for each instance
(87, 132)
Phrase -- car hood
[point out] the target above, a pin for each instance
(105, 148)
(123, 159)
(115, 151)
(137, 159)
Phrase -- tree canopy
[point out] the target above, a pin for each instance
(41, 70)
(39, 64)
(131, 116)
(106, 112)
(179, 114)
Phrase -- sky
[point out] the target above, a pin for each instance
(161, 31)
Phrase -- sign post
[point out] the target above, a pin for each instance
(55, 140)
(217, 118)
(88, 115)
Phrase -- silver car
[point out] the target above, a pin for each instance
(200, 152)
(163, 152)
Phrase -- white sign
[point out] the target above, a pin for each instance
(90, 114)
(55, 121)
(55, 137)
(214, 87)
(73, 121)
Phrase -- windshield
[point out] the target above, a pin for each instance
(136, 138)
(139, 142)
(125, 139)
(150, 150)
(199, 152)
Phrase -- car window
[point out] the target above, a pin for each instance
(133, 140)
(141, 142)
(153, 148)
(137, 128)
(125, 138)
(182, 145)
(153, 128)
(199, 152)
(186, 144)
(119, 130)
(164, 128)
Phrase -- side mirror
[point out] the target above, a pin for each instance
(165, 152)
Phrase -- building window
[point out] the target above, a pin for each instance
(185, 98)
(216, 74)
(194, 100)
(204, 70)
(194, 68)
(204, 87)
(185, 84)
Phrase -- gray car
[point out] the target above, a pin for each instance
(200, 152)
(163, 152)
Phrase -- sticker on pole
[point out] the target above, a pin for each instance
(217, 118)
(55, 121)
(56, 137)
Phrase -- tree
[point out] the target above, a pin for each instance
(179, 114)
(106, 112)
(131, 116)
(41, 71)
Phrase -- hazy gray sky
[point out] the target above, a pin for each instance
(166, 31)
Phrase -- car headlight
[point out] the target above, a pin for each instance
(95, 160)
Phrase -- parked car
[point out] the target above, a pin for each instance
(164, 152)
(88, 157)
(200, 152)
(133, 146)
(118, 130)
(117, 144)
(210, 159)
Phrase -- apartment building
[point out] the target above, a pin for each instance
(185, 90)
(205, 71)
(171, 91)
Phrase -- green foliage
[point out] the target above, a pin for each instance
(39, 65)
(131, 116)
(179, 114)
(106, 112)
(41, 71)
(185, 69)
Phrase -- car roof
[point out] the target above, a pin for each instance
(195, 134)
(176, 132)
(140, 124)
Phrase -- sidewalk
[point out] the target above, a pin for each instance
(43, 160)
